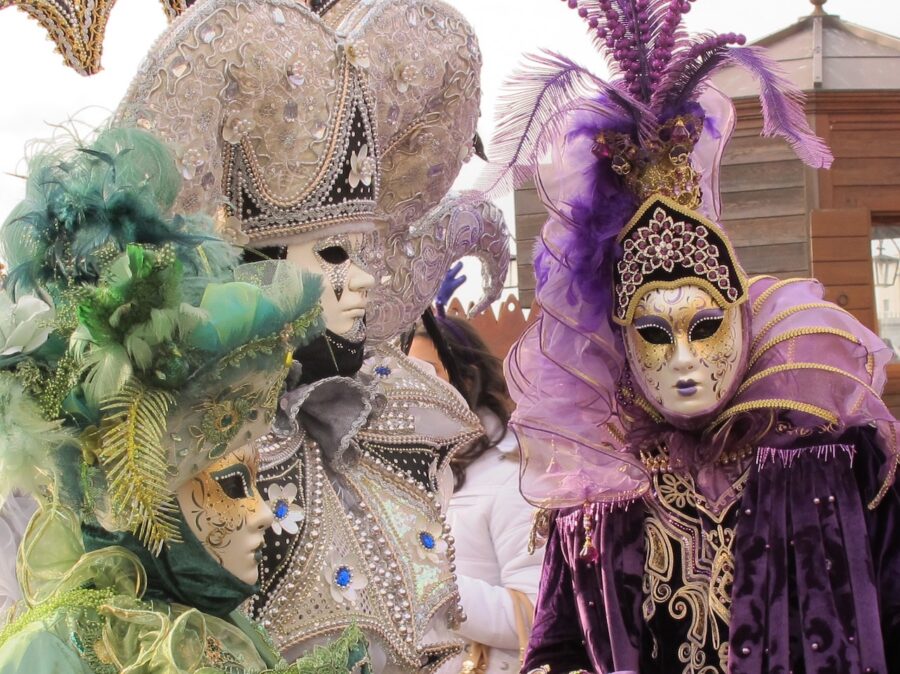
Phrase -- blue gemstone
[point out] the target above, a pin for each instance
(281, 509)
(343, 576)
(427, 540)
(382, 370)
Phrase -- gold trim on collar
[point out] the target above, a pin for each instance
(776, 404)
(799, 332)
(787, 313)
(771, 290)
(787, 367)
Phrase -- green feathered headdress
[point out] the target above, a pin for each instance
(130, 369)
(84, 205)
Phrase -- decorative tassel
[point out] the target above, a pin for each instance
(588, 550)
(786, 457)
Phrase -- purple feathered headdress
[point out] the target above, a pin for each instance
(555, 115)
(658, 70)
(580, 137)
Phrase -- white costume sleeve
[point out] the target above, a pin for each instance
(489, 608)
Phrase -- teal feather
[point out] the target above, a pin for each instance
(150, 310)
(82, 205)
(242, 311)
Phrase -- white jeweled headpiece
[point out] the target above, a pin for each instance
(316, 120)
(296, 125)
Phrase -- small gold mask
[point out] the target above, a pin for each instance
(223, 508)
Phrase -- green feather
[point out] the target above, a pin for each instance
(108, 368)
(29, 440)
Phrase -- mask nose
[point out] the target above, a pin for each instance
(359, 280)
(683, 357)
(263, 518)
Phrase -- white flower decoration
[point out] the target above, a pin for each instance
(24, 325)
(362, 167)
(358, 55)
(430, 545)
(287, 513)
(406, 75)
(345, 577)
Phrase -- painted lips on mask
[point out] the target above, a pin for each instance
(686, 387)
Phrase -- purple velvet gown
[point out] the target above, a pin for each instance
(792, 573)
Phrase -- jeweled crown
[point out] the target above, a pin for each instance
(660, 165)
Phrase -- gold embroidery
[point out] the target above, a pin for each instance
(676, 538)
(661, 461)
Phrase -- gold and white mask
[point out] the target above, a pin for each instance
(685, 351)
(227, 514)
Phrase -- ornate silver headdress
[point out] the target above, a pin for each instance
(272, 109)
(269, 113)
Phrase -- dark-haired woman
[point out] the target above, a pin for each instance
(498, 578)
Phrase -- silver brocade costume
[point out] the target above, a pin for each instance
(373, 548)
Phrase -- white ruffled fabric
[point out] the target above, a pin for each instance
(14, 516)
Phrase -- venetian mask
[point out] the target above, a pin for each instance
(347, 283)
(225, 511)
(685, 351)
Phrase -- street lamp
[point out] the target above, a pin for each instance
(885, 267)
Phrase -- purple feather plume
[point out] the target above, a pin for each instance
(782, 106)
(782, 101)
(688, 69)
(533, 112)
(637, 37)
(660, 72)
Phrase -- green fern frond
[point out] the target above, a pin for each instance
(311, 319)
(132, 451)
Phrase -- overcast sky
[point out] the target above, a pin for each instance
(37, 89)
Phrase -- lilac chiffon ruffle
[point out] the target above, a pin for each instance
(810, 361)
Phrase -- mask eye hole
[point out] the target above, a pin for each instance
(333, 254)
(655, 334)
(705, 328)
(234, 484)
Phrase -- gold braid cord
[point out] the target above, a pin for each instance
(78, 27)
(136, 464)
